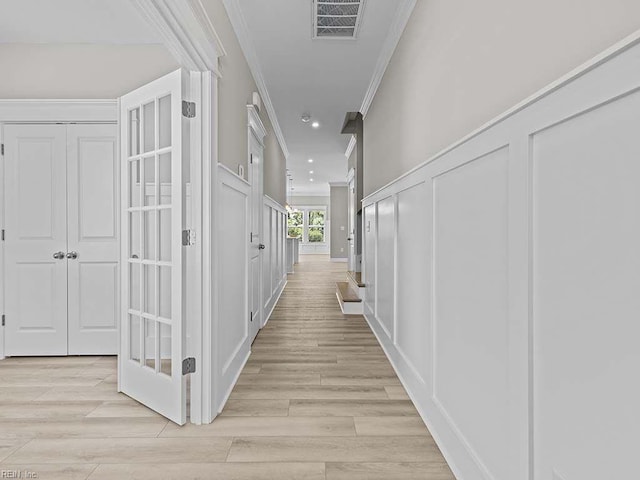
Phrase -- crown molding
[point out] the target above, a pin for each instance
(405, 7)
(244, 38)
(338, 184)
(351, 146)
(186, 30)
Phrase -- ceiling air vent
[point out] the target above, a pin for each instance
(336, 18)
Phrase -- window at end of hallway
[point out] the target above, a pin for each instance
(316, 226)
(308, 224)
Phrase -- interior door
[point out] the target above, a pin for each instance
(93, 251)
(257, 246)
(153, 330)
(35, 279)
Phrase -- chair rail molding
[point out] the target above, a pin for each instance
(186, 30)
(242, 31)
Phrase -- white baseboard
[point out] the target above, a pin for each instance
(276, 297)
(233, 384)
(412, 385)
(339, 260)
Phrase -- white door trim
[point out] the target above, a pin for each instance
(186, 30)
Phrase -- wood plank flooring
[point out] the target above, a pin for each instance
(317, 400)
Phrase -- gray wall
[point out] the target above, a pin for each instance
(339, 219)
(70, 71)
(310, 201)
(461, 63)
(235, 90)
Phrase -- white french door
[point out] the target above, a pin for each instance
(61, 239)
(153, 331)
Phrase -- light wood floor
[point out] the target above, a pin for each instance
(317, 400)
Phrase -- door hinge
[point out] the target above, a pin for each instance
(188, 109)
(251, 317)
(188, 365)
(3, 234)
(188, 238)
(3, 319)
(251, 158)
(2, 149)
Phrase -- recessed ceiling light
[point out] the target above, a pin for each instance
(311, 160)
(311, 179)
(305, 118)
(315, 124)
(311, 172)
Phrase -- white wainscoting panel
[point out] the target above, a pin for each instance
(413, 314)
(369, 263)
(586, 279)
(502, 281)
(274, 277)
(232, 346)
(385, 252)
(470, 304)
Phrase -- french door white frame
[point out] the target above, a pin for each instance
(33, 111)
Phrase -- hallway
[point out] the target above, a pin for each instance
(317, 399)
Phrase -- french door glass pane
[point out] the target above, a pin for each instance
(165, 235)
(134, 286)
(164, 165)
(165, 349)
(150, 181)
(150, 343)
(149, 126)
(134, 183)
(150, 234)
(134, 132)
(164, 121)
(149, 279)
(135, 219)
(165, 292)
(134, 337)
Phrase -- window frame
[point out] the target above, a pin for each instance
(305, 222)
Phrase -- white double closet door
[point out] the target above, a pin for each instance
(61, 239)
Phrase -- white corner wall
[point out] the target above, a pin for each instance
(502, 280)
(231, 328)
(231, 233)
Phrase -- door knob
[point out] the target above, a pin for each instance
(261, 246)
(58, 255)
(72, 255)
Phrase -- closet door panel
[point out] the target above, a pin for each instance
(93, 247)
(35, 282)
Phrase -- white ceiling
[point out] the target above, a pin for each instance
(73, 21)
(324, 77)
